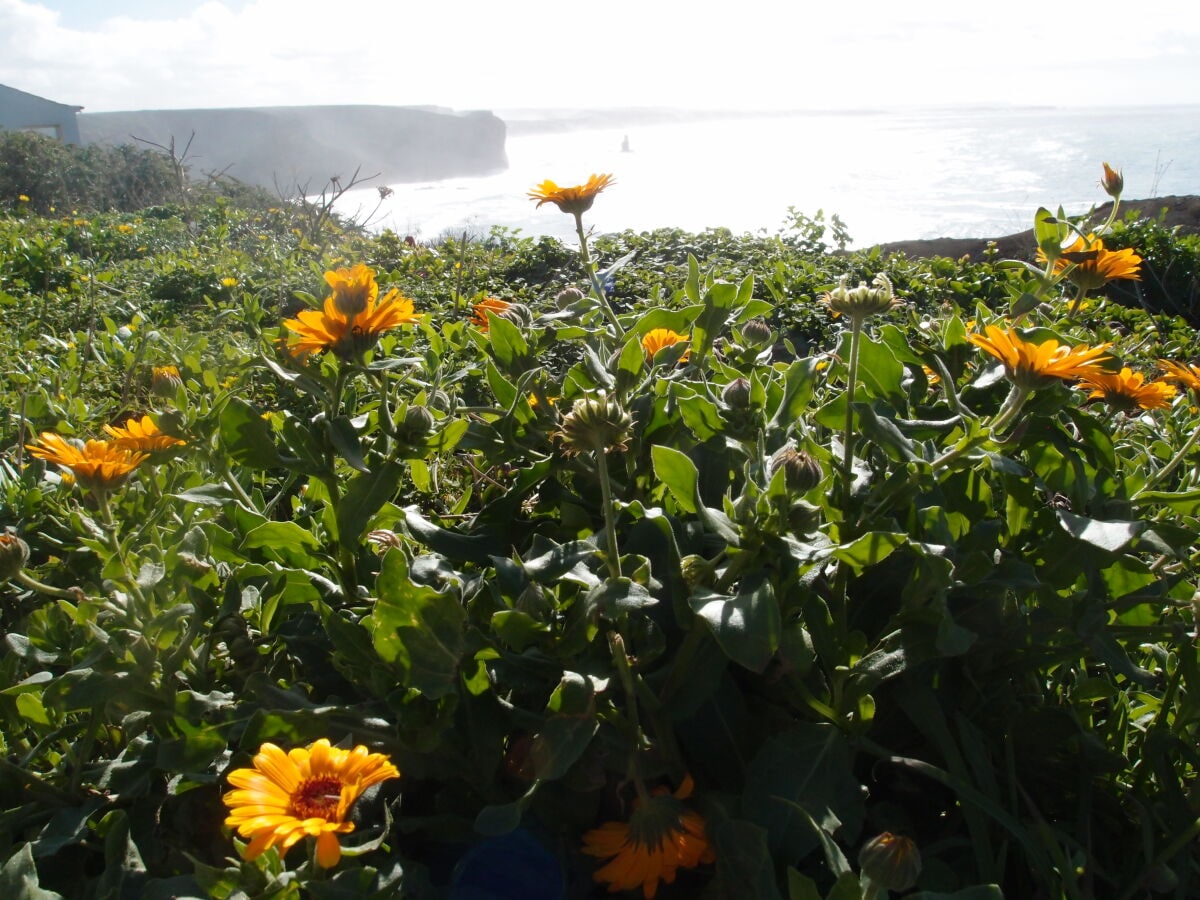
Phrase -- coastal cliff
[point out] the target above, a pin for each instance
(302, 147)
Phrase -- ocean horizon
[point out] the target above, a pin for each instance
(888, 175)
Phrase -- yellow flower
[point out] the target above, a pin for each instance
(143, 434)
(661, 836)
(229, 282)
(306, 791)
(346, 333)
(1186, 374)
(126, 229)
(575, 200)
(353, 289)
(1032, 365)
(96, 465)
(1113, 181)
(1127, 390)
(488, 304)
(22, 198)
(657, 338)
(1089, 266)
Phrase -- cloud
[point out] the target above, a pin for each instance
(470, 54)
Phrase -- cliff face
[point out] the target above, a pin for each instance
(287, 147)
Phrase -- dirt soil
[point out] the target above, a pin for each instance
(1183, 212)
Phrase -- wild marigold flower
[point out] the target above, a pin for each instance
(657, 338)
(96, 465)
(1185, 374)
(595, 423)
(661, 837)
(1127, 390)
(1032, 365)
(891, 861)
(1089, 266)
(575, 200)
(142, 434)
(344, 326)
(305, 791)
(483, 307)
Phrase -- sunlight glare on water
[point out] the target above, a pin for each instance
(889, 176)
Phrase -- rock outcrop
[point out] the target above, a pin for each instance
(294, 148)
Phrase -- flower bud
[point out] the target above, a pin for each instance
(417, 422)
(697, 571)
(165, 381)
(801, 472)
(596, 423)
(518, 314)
(1113, 182)
(737, 394)
(14, 553)
(441, 401)
(756, 332)
(568, 296)
(863, 301)
(891, 861)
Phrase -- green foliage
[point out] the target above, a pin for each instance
(544, 572)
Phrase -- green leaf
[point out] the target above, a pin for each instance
(616, 595)
(509, 346)
(344, 437)
(798, 384)
(1111, 536)
(806, 768)
(744, 864)
(870, 549)
(19, 878)
(560, 742)
(365, 495)
(505, 817)
(677, 471)
(207, 495)
(417, 628)
(977, 892)
(748, 625)
(284, 542)
(472, 548)
(246, 437)
(878, 369)
(1186, 502)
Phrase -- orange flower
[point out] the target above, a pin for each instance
(342, 326)
(1032, 365)
(575, 200)
(306, 791)
(1127, 390)
(661, 836)
(1089, 266)
(142, 435)
(1113, 181)
(96, 465)
(1185, 374)
(657, 338)
(482, 308)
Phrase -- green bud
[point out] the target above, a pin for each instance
(14, 553)
(801, 472)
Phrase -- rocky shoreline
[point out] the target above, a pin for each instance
(1181, 212)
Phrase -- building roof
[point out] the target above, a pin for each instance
(4, 88)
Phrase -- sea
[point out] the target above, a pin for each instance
(888, 175)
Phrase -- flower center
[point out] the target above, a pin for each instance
(317, 798)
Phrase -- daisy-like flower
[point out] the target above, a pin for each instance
(142, 434)
(353, 317)
(1127, 390)
(661, 837)
(96, 465)
(657, 338)
(863, 301)
(1184, 374)
(1030, 365)
(307, 791)
(575, 200)
(1089, 266)
(483, 307)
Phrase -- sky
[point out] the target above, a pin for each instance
(483, 54)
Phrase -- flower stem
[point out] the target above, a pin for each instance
(856, 324)
(24, 578)
(610, 518)
(597, 287)
(616, 646)
(1171, 465)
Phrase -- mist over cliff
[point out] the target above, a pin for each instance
(290, 147)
